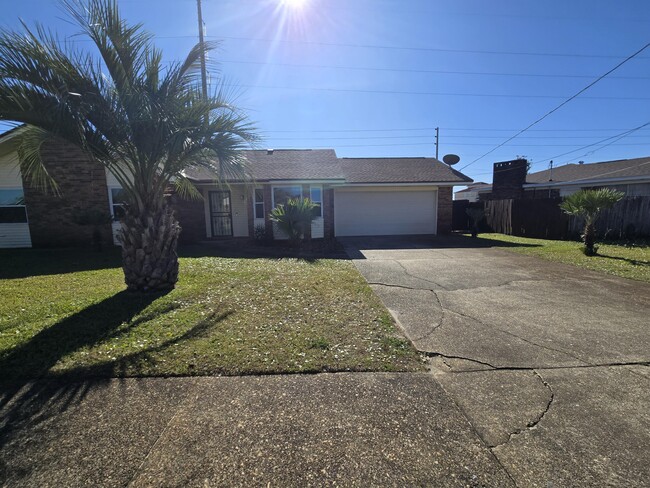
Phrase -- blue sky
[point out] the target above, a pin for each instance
(375, 77)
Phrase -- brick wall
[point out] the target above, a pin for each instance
(328, 212)
(445, 209)
(508, 179)
(190, 216)
(268, 206)
(82, 184)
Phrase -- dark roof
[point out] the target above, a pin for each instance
(594, 171)
(399, 170)
(322, 164)
(285, 164)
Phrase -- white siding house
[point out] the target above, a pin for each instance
(14, 229)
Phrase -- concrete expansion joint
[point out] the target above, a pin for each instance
(534, 369)
(391, 285)
(463, 358)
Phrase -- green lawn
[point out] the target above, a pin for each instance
(65, 312)
(628, 261)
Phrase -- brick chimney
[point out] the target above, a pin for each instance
(508, 178)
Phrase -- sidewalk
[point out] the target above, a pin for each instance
(349, 429)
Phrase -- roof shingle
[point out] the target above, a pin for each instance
(608, 169)
(322, 164)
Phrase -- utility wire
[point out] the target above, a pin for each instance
(446, 94)
(560, 105)
(608, 141)
(432, 71)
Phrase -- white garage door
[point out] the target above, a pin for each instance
(376, 213)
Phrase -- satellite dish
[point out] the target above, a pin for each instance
(451, 159)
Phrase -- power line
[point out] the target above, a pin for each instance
(431, 71)
(432, 136)
(425, 49)
(560, 105)
(398, 48)
(608, 142)
(446, 94)
(408, 129)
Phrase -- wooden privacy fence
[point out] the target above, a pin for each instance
(543, 218)
(628, 218)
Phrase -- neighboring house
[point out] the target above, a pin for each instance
(355, 197)
(631, 176)
(472, 192)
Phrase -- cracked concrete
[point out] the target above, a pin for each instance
(549, 363)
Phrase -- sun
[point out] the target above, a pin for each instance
(294, 4)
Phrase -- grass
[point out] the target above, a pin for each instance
(65, 312)
(625, 260)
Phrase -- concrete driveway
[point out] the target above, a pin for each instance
(549, 363)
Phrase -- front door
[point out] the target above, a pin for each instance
(220, 213)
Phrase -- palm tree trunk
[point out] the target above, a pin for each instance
(149, 256)
(589, 237)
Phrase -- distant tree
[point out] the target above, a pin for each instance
(588, 204)
(529, 162)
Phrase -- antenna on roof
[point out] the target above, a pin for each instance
(451, 159)
(550, 173)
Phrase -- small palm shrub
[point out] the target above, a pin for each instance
(294, 218)
(476, 215)
(588, 204)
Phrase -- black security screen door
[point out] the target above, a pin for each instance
(220, 213)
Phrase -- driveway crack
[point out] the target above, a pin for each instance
(528, 341)
(406, 271)
(533, 423)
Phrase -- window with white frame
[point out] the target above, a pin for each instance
(118, 203)
(259, 203)
(316, 196)
(12, 206)
(282, 194)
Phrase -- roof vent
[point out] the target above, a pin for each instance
(269, 151)
(581, 162)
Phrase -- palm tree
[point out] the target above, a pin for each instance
(588, 204)
(294, 218)
(144, 120)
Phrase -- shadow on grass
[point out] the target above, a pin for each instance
(634, 262)
(236, 249)
(26, 404)
(96, 323)
(23, 263)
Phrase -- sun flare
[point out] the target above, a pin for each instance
(294, 4)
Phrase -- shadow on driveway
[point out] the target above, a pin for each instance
(353, 245)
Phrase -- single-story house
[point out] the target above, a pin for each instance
(355, 196)
(631, 176)
(472, 192)
(510, 180)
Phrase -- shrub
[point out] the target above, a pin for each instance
(294, 218)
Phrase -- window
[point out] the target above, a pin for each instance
(259, 203)
(12, 206)
(118, 203)
(316, 196)
(281, 194)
